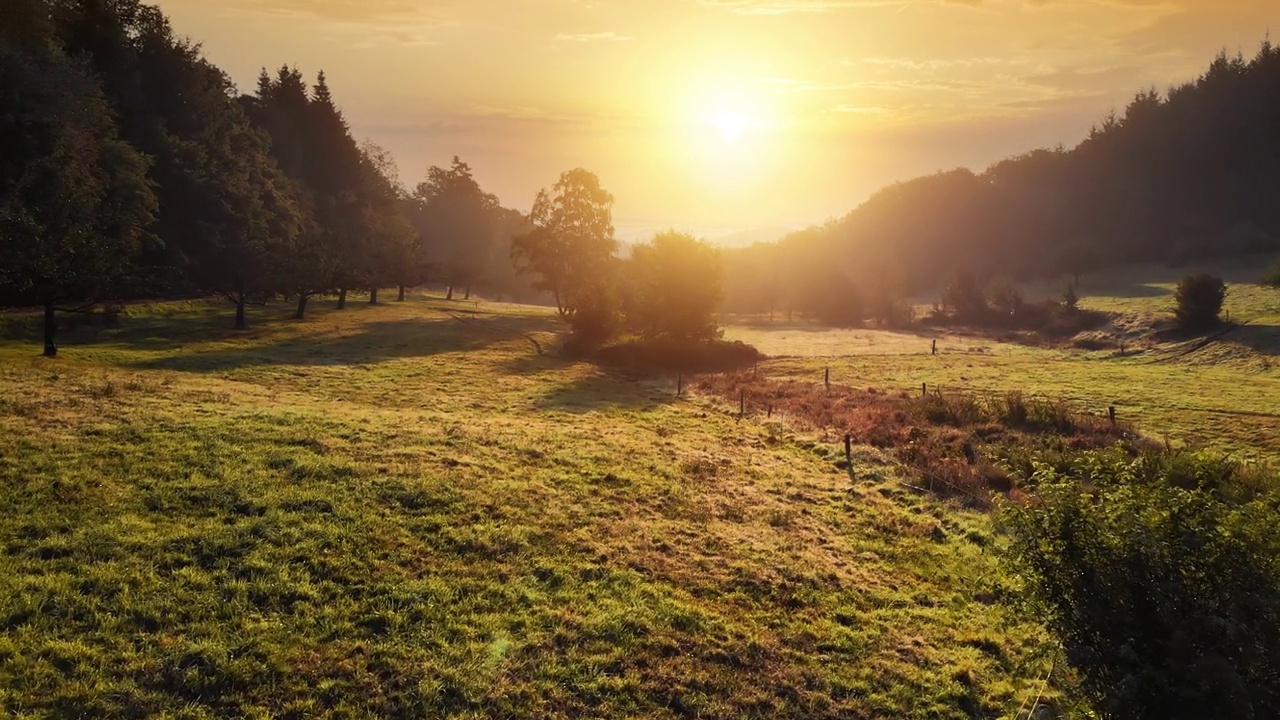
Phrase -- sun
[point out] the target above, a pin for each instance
(731, 125)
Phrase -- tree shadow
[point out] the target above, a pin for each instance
(367, 343)
(605, 391)
(1262, 339)
(594, 388)
(1130, 291)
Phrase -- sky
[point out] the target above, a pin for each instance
(722, 116)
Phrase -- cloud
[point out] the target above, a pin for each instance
(784, 7)
(592, 37)
(375, 22)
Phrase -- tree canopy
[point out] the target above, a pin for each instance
(571, 241)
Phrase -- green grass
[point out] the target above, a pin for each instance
(406, 510)
(1223, 393)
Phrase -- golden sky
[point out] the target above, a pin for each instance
(720, 115)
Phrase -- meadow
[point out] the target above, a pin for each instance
(1222, 392)
(421, 509)
(409, 510)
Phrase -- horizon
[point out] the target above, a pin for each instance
(722, 117)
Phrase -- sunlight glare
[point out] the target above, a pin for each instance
(731, 125)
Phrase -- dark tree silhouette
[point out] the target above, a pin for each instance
(74, 198)
(1199, 301)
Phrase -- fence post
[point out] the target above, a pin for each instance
(742, 404)
(848, 452)
(827, 380)
(1112, 412)
(935, 347)
(924, 389)
(679, 384)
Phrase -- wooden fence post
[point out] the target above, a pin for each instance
(1112, 412)
(742, 404)
(679, 384)
(848, 452)
(827, 380)
(935, 347)
(924, 389)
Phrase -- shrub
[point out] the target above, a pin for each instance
(1199, 301)
(675, 283)
(596, 317)
(1163, 589)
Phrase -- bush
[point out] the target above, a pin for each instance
(1199, 298)
(674, 285)
(1160, 579)
(596, 317)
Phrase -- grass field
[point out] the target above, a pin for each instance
(1223, 394)
(406, 510)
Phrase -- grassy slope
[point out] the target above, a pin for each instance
(399, 511)
(1224, 394)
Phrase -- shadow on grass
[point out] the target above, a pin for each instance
(1130, 291)
(367, 343)
(609, 391)
(1264, 339)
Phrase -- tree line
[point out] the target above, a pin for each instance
(1176, 177)
(132, 168)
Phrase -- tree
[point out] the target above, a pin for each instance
(313, 146)
(1070, 300)
(345, 216)
(834, 300)
(1005, 297)
(675, 285)
(392, 241)
(74, 198)
(571, 241)
(1077, 259)
(458, 223)
(1199, 300)
(1160, 578)
(963, 297)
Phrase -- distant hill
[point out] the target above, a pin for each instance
(1189, 174)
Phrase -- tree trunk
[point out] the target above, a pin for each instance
(401, 297)
(240, 321)
(342, 299)
(373, 296)
(467, 296)
(50, 330)
(450, 295)
(302, 306)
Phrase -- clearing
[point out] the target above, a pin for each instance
(406, 510)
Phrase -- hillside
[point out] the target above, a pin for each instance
(1177, 176)
(405, 510)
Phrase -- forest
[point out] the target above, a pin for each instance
(1184, 175)
(133, 168)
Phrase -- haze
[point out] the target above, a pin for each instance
(722, 115)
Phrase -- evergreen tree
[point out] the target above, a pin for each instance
(458, 222)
